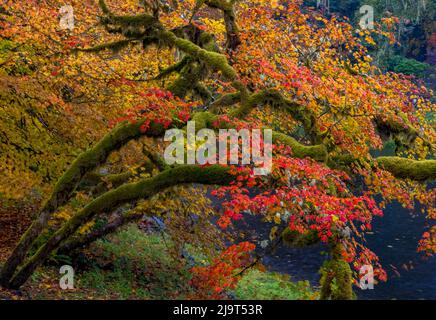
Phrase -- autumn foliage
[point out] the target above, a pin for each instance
(224, 64)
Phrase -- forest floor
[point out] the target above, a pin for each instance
(132, 264)
(14, 221)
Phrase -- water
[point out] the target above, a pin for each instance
(395, 238)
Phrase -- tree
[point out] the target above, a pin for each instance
(231, 64)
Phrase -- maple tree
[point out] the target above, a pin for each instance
(223, 64)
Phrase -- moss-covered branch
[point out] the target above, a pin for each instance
(114, 198)
(136, 20)
(177, 67)
(232, 30)
(155, 158)
(94, 179)
(98, 183)
(423, 170)
(316, 152)
(199, 46)
(277, 100)
(188, 79)
(418, 170)
(298, 240)
(402, 168)
(68, 182)
(214, 60)
(404, 134)
(226, 100)
(114, 46)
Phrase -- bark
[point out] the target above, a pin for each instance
(226, 100)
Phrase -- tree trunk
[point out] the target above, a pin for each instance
(65, 186)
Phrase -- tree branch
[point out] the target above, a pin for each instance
(114, 198)
(68, 246)
(86, 162)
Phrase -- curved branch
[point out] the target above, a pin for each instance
(155, 158)
(404, 134)
(214, 60)
(418, 170)
(115, 46)
(226, 100)
(402, 168)
(114, 198)
(86, 162)
(316, 152)
(136, 20)
(177, 67)
(274, 98)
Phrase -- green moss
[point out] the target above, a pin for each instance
(336, 277)
(317, 152)
(207, 42)
(112, 199)
(402, 133)
(91, 158)
(257, 285)
(276, 100)
(114, 46)
(423, 170)
(221, 4)
(296, 239)
(214, 60)
(188, 80)
(203, 92)
(103, 7)
(63, 189)
(177, 67)
(203, 120)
